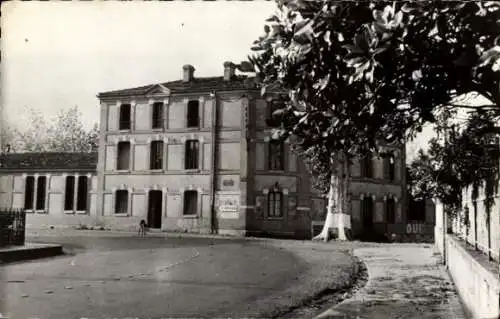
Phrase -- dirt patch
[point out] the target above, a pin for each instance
(330, 296)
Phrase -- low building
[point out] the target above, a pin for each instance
(196, 155)
(53, 188)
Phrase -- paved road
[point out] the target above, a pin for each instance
(148, 278)
(405, 281)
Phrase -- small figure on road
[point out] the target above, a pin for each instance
(142, 228)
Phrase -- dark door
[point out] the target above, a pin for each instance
(367, 214)
(154, 209)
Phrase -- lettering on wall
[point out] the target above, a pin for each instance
(414, 228)
(228, 206)
(228, 183)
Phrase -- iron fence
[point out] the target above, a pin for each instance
(12, 227)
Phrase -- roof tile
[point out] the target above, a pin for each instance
(196, 85)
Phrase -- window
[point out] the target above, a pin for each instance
(391, 168)
(121, 202)
(193, 114)
(417, 210)
(367, 209)
(275, 204)
(367, 166)
(29, 192)
(191, 154)
(69, 193)
(190, 202)
(276, 156)
(123, 160)
(156, 155)
(157, 120)
(274, 121)
(41, 192)
(124, 117)
(390, 210)
(82, 194)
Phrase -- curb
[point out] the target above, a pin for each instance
(30, 252)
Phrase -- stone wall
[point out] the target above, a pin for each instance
(478, 287)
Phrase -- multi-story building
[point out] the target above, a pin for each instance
(196, 154)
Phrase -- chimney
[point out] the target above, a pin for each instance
(188, 73)
(228, 71)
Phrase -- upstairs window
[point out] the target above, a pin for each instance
(156, 157)
(193, 113)
(275, 204)
(191, 154)
(124, 117)
(123, 160)
(272, 120)
(29, 192)
(190, 202)
(276, 156)
(157, 120)
(121, 202)
(390, 210)
(367, 167)
(69, 193)
(391, 169)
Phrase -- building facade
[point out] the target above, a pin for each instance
(53, 188)
(196, 155)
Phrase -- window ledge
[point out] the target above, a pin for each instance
(120, 215)
(192, 170)
(190, 216)
(274, 218)
(158, 129)
(41, 211)
(124, 130)
(156, 170)
(81, 212)
(29, 211)
(121, 171)
(69, 212)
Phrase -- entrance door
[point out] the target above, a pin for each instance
(155, 204)
(367, 214)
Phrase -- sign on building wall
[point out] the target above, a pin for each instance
(228, 206)
(414, 228)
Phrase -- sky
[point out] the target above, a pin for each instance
(56, 55)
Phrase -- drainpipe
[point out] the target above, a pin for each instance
(213, 181)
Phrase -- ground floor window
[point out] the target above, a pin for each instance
(390, 210)
(35, 192)
(29, 192)
(69, 193)
(121, 202)
(275, 204)
(190, 202)
(82, 193)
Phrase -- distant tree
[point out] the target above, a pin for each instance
(65, 133)
(364, 73)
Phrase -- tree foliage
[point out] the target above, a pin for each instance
(468, 158)
(361, 72)
(64, 133)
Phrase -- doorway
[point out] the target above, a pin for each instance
(155, 204)
(367, 209)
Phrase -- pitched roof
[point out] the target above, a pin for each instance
(203, 84)
(49, 161)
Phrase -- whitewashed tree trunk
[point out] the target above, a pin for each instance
(337, 204)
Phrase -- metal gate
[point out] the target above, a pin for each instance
(12, 227)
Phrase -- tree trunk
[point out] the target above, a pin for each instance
(337, 204)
